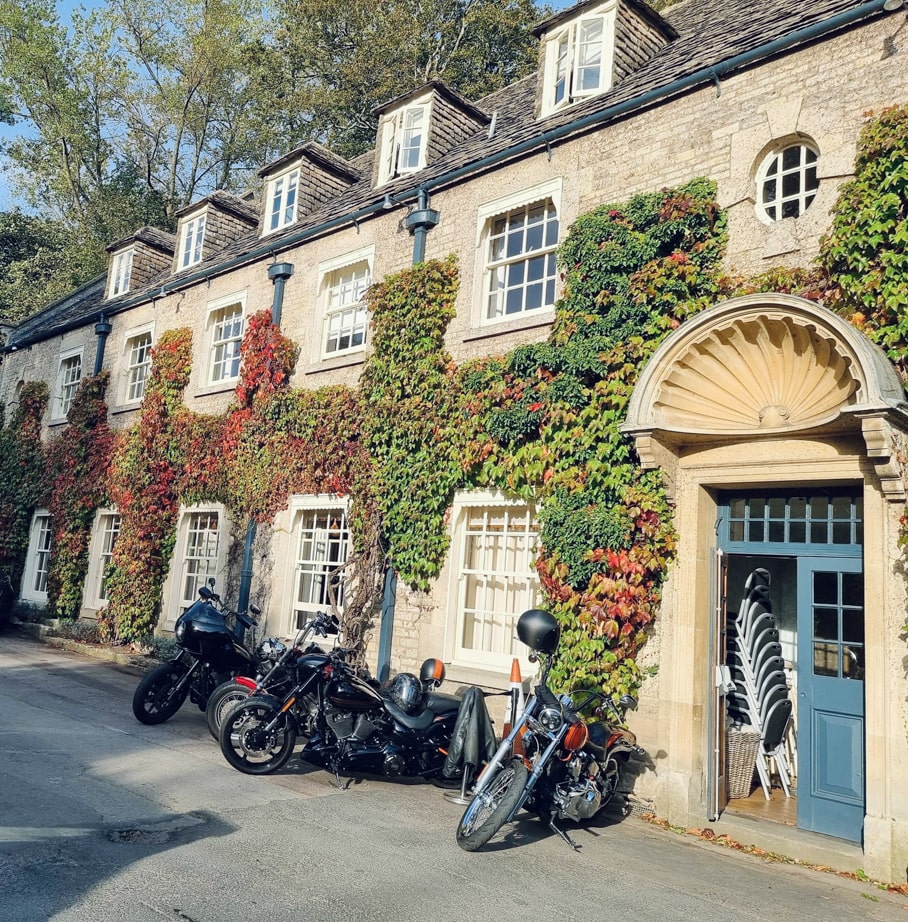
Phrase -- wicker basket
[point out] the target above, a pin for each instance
(742, 746)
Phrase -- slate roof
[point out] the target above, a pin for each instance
(716, 37)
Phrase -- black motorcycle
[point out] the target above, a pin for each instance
(210, 652)
(554, 763)
(274, 675)
(353, 728)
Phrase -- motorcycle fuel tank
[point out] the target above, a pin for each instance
(352, 693)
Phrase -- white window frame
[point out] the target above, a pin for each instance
(201, 553)
(344, 311)
(136, 364)
(397, 137)
(104, 534)
(66, 386)
(282, 199)
(567, 55)
(486, 267)
(501, 624)
(120, 272)
(224, 341)
(771, 212)
(317, 564)
(192, 240)
(37, 561)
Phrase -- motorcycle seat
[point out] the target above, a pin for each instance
(421, 721)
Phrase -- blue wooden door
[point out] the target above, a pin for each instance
(830, 696)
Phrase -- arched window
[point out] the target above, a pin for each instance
(787, 182)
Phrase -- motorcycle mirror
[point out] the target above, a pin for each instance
(628, 702)
(211, 581)
(255, 610)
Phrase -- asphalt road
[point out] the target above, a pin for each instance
(102, 818)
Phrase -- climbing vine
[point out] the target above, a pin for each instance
(24, 477)
(79, 458)
(411, 395)
(145, 487)
(865, 254)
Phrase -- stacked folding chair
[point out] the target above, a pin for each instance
(760, 697)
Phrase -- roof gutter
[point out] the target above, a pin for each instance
(538, 142)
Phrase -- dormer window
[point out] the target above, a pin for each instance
(192, 233)
(121, 272)
(404, 140)
(282, 195)
(578, 58)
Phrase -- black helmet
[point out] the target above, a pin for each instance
(432, 673)
(407, 693)
(539, 630)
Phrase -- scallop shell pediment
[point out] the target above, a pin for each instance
(760, 374)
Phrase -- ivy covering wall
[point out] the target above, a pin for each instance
(541, 423)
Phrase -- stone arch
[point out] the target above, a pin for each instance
(769, 365)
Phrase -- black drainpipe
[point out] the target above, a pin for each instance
(278, 273)
(419, 222)
(102, 331)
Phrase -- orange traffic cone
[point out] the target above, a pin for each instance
(517, 704)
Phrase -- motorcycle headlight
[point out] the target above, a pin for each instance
(179, 630)
(550, 719)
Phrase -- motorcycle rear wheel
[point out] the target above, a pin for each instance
(155, 699)
(248, 747)
(489, 809)
(221, 701)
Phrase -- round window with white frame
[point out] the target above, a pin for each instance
(787, 182)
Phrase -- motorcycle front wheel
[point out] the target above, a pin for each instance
(222, 700)
(156, 698)
(251, 748)
(489, 809)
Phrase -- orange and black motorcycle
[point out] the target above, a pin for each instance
(554, 763)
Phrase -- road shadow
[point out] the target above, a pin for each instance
(45, 871)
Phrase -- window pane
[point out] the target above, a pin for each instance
(201, 552)
(226, 340)
(826, 659)
(520, 263)
(346, 315)
(322, 549)
(498, 579)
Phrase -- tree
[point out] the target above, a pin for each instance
(334, 61)
(38, 263)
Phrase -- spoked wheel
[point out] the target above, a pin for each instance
(156, 697)
(222, 700)
(247, 743)
(489, 809)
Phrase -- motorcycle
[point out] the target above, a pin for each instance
(353, 727)
(209, 652)
(554, 763)
(273, 675)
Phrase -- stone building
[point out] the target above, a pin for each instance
(801, 478)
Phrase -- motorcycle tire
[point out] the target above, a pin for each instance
(490, 808)
(247, 747)
(222, 700)
(155, 699)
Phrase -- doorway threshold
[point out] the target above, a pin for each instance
(787, 841)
